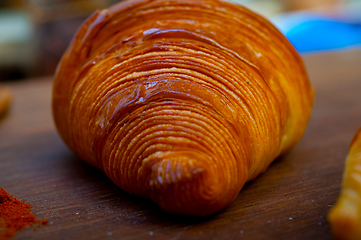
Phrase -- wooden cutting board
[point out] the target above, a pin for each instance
(289, 201)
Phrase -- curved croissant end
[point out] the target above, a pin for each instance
(345, 215)
(181, 101)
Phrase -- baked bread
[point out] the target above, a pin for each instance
(345, 215)
(5, 99)
(181, 101)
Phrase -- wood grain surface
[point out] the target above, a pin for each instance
(289, 201)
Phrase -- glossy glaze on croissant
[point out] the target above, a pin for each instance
(345, 215)
(181, 101)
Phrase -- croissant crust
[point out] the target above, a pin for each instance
(345, 215)
(181, 101)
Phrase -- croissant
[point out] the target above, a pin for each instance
(181, 101)
(5, 100)
(345, 215)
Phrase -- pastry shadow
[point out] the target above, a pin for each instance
(120, 205)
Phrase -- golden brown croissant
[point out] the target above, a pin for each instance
(345, 215)
(181, 101)
(5, 99)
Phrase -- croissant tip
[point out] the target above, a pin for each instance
(186, 186)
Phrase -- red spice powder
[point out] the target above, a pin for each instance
(15, 215)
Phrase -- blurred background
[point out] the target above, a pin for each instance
(35, 33)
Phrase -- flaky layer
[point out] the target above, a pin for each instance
(181, 101)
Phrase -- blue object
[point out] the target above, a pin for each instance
(315, 33)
